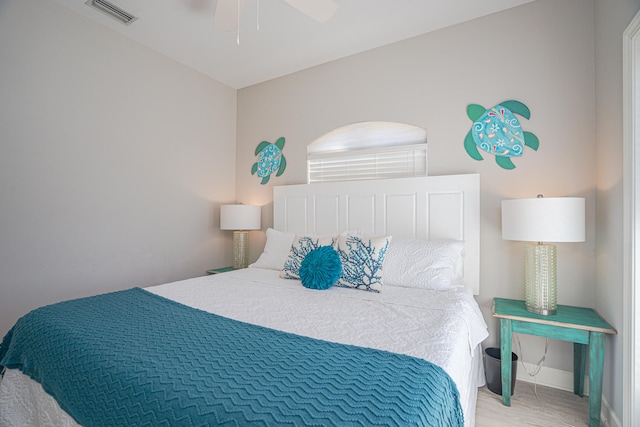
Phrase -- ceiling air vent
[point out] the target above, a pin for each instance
(112, 10)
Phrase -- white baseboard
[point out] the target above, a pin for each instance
(608, 418)
(563, 380)
(549, 377)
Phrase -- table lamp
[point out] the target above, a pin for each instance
(543, 219)
(240, 218)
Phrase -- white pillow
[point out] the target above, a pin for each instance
(275, 251)
(424, 264)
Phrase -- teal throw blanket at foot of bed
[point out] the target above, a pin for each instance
(132, 358)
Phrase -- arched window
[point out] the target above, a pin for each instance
(368, 150)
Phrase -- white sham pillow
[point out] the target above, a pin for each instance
(276, 250)
(424, 264)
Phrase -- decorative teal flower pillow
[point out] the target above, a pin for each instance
(321, 268)
(362, 259)
(300, 247)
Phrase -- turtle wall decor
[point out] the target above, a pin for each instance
(270, 160)
(498, 131)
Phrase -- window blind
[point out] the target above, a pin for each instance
(368, 164)
(371, 150)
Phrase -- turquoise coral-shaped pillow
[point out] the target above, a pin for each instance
(321, 268)
(300, 247)
(362, 260)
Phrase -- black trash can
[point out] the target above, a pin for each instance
(493, 370)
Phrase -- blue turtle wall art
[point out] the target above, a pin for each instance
(270, 160)
(498, 131)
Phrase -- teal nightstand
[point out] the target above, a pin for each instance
(219, 270)
(581, 326)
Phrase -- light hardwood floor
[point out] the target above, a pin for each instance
(552, 408)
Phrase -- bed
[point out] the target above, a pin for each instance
(284, 353)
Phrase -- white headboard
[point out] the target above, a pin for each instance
(429, 208)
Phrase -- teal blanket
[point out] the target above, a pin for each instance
(133, 358)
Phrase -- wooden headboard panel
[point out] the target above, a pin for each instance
(429, 208)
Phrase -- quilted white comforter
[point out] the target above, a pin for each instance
(444, 327)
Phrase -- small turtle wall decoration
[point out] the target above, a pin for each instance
(498, 131)
(270, 160)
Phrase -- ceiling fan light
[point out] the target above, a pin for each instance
(227, 12)
(227, 15)
(320, 10)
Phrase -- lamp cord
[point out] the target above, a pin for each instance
(540, 363)
(535, 382)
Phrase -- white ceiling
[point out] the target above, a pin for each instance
(287, 40)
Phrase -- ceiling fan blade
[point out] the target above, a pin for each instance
(226, 15)
(320, 10)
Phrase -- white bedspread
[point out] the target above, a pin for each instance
(444, 327)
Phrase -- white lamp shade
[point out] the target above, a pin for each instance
(544, 219)
(239, 217)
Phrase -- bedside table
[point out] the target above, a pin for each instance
(581, 326)
(219, 270)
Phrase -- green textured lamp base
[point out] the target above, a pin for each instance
(540, 279)
(240, 249)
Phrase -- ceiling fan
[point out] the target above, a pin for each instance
(227, 12)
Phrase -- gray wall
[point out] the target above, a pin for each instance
(110, 171)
